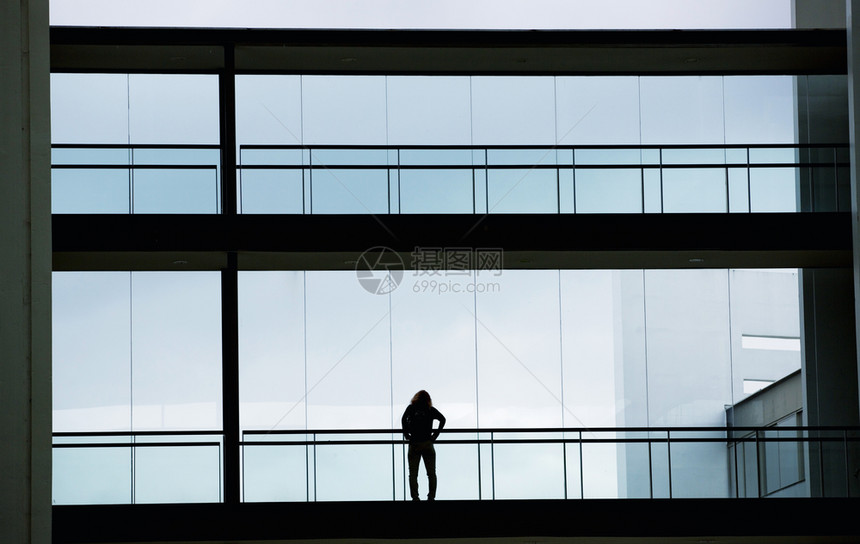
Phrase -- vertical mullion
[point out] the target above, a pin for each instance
(227, 108)
(230, 378)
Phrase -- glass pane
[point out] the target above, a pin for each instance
(456, 470)
(528, 471)
(763, 303)
(349, 191)
(694, 190)
(699, 470)
(167, 190)
(522, 191)
(433, 347)
(773, 189)
(518, 110)
(350, 473)
(272, 191)
(275, 473)
(634, 465)
(177, 474)
(91, 313)
(89, 108)
(436, 191)
(272, 383)
(681, 110)
(173, 109)
(759, 109)
(597, 110)
(343, 110)
(653, 190)
(444, 157)
(588, 317)
(521, 157)
(176, 350)
(693, 156)
(739, 190)
(592, 157)
(608, 191)
(268, 110)
(91, 475)
(518, 346)
(688, 349)
(86, 190)
(599, 469)
(348, 373)
(429, 110)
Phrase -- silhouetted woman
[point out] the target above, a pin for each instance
(417, 423)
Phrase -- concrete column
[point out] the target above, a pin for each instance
(818, 13)
(25, 273)
(829, 375)
(853, 19)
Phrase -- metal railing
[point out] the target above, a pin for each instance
(545, 179)
(327, 179)
(136, 178)
(132, 467)
(640, 462)
(474, 464)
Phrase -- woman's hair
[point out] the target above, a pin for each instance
(422, 397)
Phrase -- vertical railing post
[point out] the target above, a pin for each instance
(493, 464)
(758, 470)
(581, 471)
(749, 183)
(737, 479)
(650, 469)
(564, 462)
(847, 466)
(669, 458)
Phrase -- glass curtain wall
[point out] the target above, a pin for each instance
(275, 112)
(135, 143)
(136, 367)
(521, 349)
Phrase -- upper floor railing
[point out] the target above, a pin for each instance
(472, 464)
(328, 179)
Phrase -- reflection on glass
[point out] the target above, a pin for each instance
(698, 470)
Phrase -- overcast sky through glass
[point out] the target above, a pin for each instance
(442, 14)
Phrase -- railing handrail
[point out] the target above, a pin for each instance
(448, 430)
(443, 147)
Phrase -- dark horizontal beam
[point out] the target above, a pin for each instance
(516, 521)
(452, 51)
(325, 242)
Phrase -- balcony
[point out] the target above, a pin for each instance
(382, 180)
